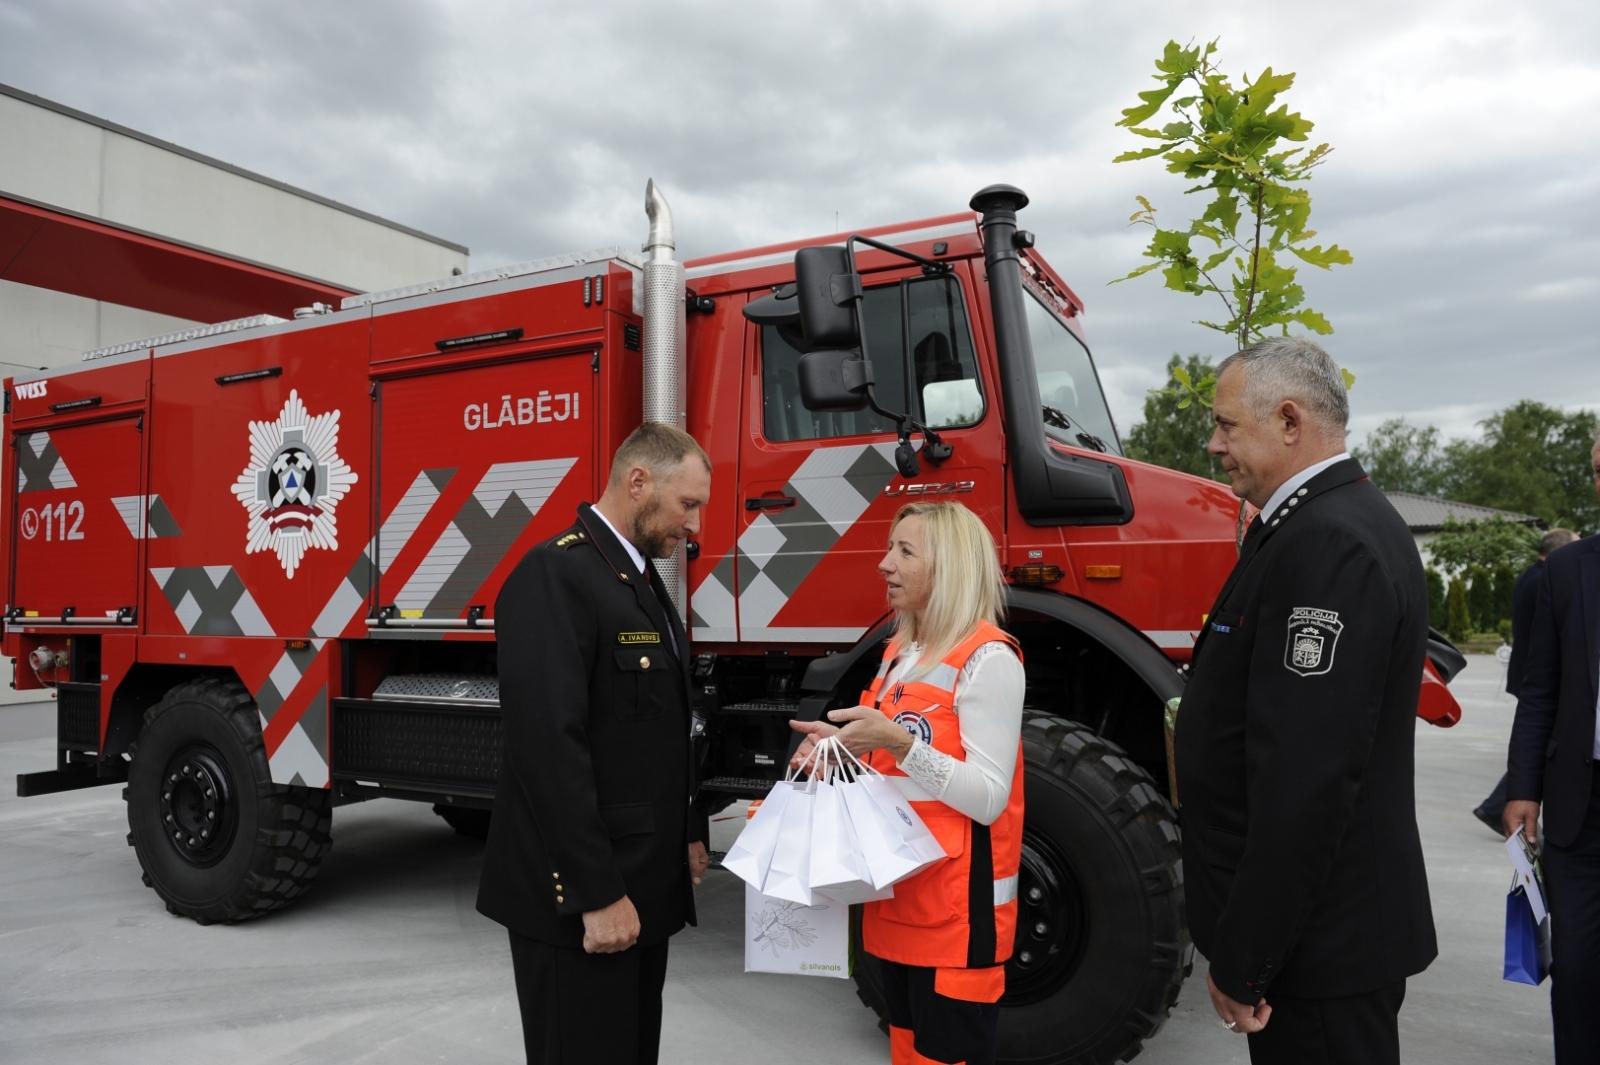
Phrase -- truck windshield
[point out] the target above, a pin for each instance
(947, 393)
(1075, 409)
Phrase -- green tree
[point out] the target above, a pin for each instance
(1505, 579)
(1460, 545)
(1436, 614)
(1532, 459)
(1399, 457)
(1233, 142)
(1175, 427)
(1480, 598)
(1458, 619)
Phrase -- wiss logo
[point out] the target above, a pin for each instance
(32, 390)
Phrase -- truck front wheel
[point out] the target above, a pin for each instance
(1102, 946)
(217, 839)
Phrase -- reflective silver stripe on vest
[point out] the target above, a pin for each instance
(943, 676)
(1005, 890)
(883, 667)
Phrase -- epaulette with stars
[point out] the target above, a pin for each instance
(569, 539)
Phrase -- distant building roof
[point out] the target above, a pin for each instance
(1425, 514)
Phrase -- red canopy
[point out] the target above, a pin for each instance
(50, 248)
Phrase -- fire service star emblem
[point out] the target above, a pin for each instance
(293, 484)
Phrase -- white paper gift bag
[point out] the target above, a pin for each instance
(788, 877)
(783, 936)
(751, 853)
(891, 839)
(838, 871)
(902, 818)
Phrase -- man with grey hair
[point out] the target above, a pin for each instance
(1305, 883)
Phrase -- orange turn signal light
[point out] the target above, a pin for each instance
(1035, 573)
(1102, 573)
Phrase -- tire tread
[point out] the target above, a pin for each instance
(297, 821)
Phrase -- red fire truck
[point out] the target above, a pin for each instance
(257, 561)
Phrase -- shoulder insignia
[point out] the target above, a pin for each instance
(1313, 637)
(570, 539)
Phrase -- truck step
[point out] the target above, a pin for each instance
(754, 787)
(785, 707)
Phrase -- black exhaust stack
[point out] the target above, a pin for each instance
(1052, 488)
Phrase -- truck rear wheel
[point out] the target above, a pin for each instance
(1102, 946)
(217, 839)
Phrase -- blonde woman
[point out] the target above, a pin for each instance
(943, 720)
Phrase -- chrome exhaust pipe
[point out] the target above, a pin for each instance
(664, 349)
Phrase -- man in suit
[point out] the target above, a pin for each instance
(1524, 594)
(592, 848)
(1554, 743)
(1303, 868)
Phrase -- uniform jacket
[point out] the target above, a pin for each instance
(1524, 594)
(1303, 867)
(596, 778)
(1552, 739)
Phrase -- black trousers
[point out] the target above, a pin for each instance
(1572, 880)
(939, 1028)
(1359, 1030)
(589, 1009)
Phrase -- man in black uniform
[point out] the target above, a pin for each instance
(1304, 876)
(591, 850)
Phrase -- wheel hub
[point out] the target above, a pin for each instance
(1051, 925)
(197, 805)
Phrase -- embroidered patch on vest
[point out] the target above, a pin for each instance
(915, 724)
(1313, 637)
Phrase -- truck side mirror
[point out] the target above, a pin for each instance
(827, 289)
(834, 381)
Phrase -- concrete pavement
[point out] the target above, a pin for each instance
(387, 961)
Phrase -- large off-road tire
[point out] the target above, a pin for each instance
(217, 839)
(473, 824)
(1102, 946)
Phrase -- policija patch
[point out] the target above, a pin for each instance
(1313, 637)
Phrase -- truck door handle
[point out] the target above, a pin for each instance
(770, 503)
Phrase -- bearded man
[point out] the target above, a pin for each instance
(592, 849)
(1303, 869)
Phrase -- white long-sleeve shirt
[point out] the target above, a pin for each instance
(988, 707)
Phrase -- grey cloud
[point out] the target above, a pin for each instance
(523, 130)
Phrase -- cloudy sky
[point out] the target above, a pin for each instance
(1465, 177)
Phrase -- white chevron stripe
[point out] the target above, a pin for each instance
(405, 517)
(533, 482)
(443, 557)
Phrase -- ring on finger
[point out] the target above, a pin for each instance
(1232, 1026)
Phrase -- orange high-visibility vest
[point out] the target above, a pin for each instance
(960, 912)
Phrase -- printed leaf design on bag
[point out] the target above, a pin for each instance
(783, 926)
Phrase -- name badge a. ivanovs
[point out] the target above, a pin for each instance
(1313, 637)
(638, 637)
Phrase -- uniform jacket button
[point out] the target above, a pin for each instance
(644, 662)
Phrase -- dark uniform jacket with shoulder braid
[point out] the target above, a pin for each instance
(595, 782)
(1302, 865)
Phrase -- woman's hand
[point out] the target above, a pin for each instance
(867, 729)
(814, 730)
